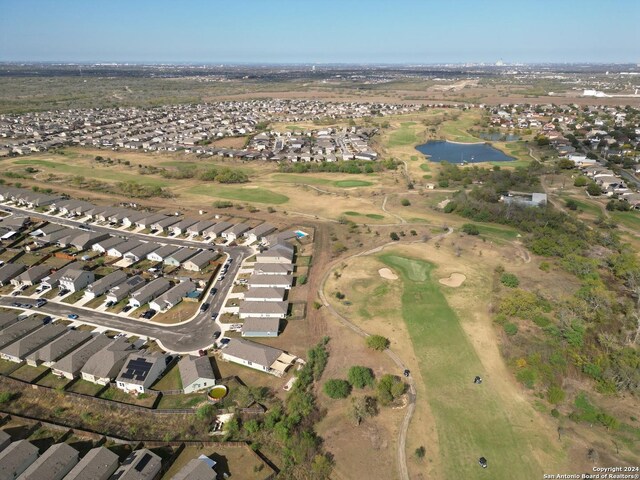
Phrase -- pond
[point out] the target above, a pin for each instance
(439, 151)
(498, 137)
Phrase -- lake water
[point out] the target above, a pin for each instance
(439, 151)
(497, 137)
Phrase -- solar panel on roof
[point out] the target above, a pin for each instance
(146, 458)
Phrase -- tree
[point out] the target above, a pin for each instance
(394, 236)
(405, 202)
(593, 189)
(571, 204)
(580, 181)
(360, 377)
(509, 280)
(389, 388)
(470, 229)
(377, 342)
(420, 452)
(337, 388)
(361, 408)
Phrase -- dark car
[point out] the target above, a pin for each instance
(47, 320)
(224, 341)
(16, 304)
(205, 306)
(482, 462)
(214, 315)
(41, 302)
(216, 335)
(406, 373)
(62, 292)
(148, 314)
(110, 303)
(214, 291)
(127, 308)
(16, 293)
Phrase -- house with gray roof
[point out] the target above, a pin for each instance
(200, 261)
(258, 233)
(53, 351)
(280, 237)
(265, 294)
(273, 268)
(48, 229)
(32, 276)
(260, 327)
(104, 365)
(141, 464)
(54, 464)
(84, 240)
(102, 285)
(257, 356)
(16, 458)
(53, 280)
(20, 329)
(176, 259)
(5, 440)
(216, 230)
(18, 351)
(141, 252)
(235, 231)
(104, 245)
(9, 271)
(121, 249)
(149, 219)
(132, 216)
(98, 464)
(163, 252)
(200, 227)
(271, 281)
(149, 292)
(8, 318)
(173, 296)
(279, 253)
(75, 279)
(70, 365)
(201, 468)
(263, 309)
(163, 224)
(140, 371)
(182, 226)
(196, 373)
(124, 289)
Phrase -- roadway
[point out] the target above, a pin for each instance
(188, 336)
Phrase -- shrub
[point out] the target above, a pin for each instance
(405, 202)
(545, 266)
(222, 204)
(420, 452)
(555, 394)
(377, 342)
(509, 280)
(580, 181)
(470, 229)
(593, 189)
(571, 204)
(5, 397)
(302, 279)
(336, 388)
(205, 412)
(360, 377)
(450, 207)
(555, 413)
(527, 377)
(394, 236)
(389, 388)
(510, 329)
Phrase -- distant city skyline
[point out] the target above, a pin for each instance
(328, 32)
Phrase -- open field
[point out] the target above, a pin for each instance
(244, 194)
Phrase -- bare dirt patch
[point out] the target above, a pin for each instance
(387, 274)
(454, 280)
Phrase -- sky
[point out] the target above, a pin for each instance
(327, 31)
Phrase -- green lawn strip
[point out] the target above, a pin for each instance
(171, 380)
(351, 183)
(181, 401)
(425, 167)
(293, 178)
(96, 173)
(628, 219)
(498, 232)
(405, 135)
(470, 419)
(255, 195)
(584, 205)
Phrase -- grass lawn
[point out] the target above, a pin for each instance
(53, 381)
(86, 388)
(74, 297)
(117, 395)
(7, 367)
(405, 135)
(425, 166)
(470, 420)
(244, 194)
(351, 183)
(170, 381)
(502, 233)
(457, 130)
(181, 401)
(374, 216)
(28, 373)
(628, 219)
(293, 178)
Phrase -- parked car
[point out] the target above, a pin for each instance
(225, 341)
(16, 304)
(110, 303)
(47, 320)
(16, 293)
(214, 291)
(216, 335)
(406, 373)
(205, 306)
(72, 316)
(483, 462)
(41, 302)
(127, 308)
(23, 288)
(62, 292)
(214, 315)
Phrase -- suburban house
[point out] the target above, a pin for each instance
(200, 227)
(182, 226)
(131, 217)
(176, 259)
(54, 351)
(18, 351)
(9, 271)
(32, 276)
(20, 329)
(149, 292)
(257, 356)
(124, 289)
(196, 373)
(76, 279)
(53, 280)
(53, 464)
(147, 221)
(201, 468)
(104, 365)
(273, 268)
(7, 319)
(70, 365)
(264, 294)
(235, 232)
(141, 252)
(84, 240)
(200, 261)
(104, 245)
(162, 225)
(216, 230)
(258, 233)
(260, 327)
(17, 457)
(525, 199)
(141, 464)
(98, 464)
(48, 229)
(5, 440)
(101, 286)
(120, 249)
(163, 252)
(263, 309)
(278, 253)
(173, 296)
(272, 281)
(140, 371)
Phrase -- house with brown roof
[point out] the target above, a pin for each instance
(104, 365)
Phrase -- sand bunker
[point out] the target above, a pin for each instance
(454, 280)
(388, 274)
